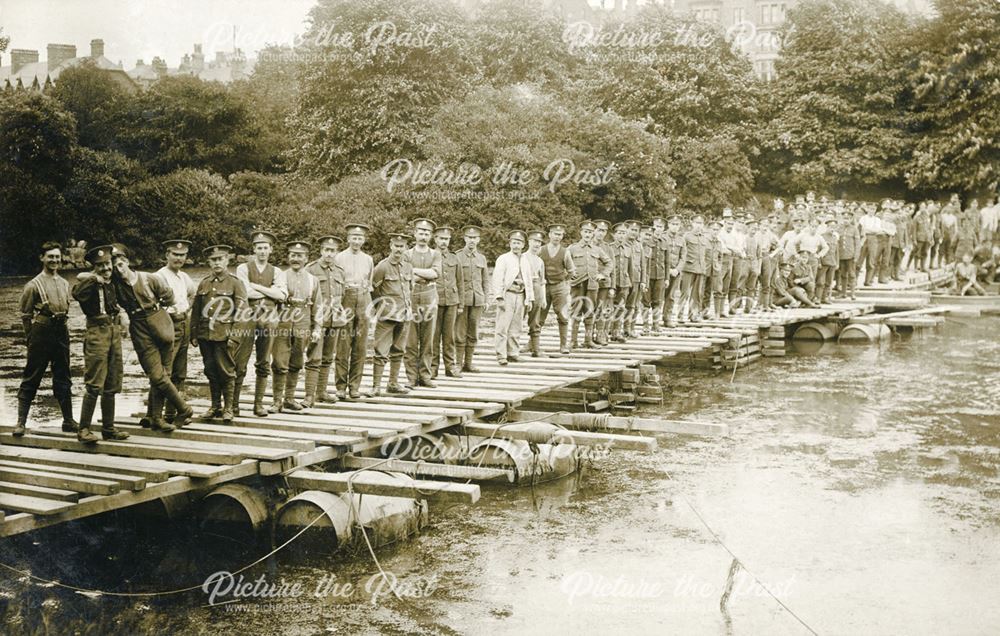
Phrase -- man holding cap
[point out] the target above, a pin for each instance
(266, 290)
(475, 292)
(180, 312)
(297, 327)
(352, 349)
(426, 264)
(320, 355)
(218, 301)
(559, 269)
(514, 294)
(392, 289)
(102, 346)
(449, 298)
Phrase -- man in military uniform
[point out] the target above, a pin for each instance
(535, 240)
(514, 295)
(143, 296)
(218, 301)
(584, 285)
(848, 249)
(331, 318)
(605, 290)
(733, 253)
(559, 269)
(449, 300)
(622, 281)
(674, 255)
(650, 321)
(475, 294)
(658, 251)
(714, 281)
(297, 328)
(352, 348)
(180, 312)
(266, 290)
(638, 276)
(102, 346)
(426, 264)
(392, 288)
(768, 240)
(693, 270)
(44, 308)
(748, 290)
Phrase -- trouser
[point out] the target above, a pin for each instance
(974, 290)
(603, 305)
(102, 358)
(728, 271)
(389, 347)
(947, 248)
(654, 303)
(557, 299)
(535, 320)
(220, 369)
(48, 343)
(420, 344)
(153, 357)
(620, 314)
(847, 276)
(353, 340)
(632, 308)
(824, 281)
(748, 289)
(766, 280)
(885, 258)
(691, 284)
(178, 362)
(671, 297)
(256, 337)
(467, 333)
(802, 294)
(320, 356)
(869, 257)
(510, 316)
(895, 261)
(919, 257)
(444, 339)
(583, 308)
(287, 358)
(738, 278)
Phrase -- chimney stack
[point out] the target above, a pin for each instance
(20, 57)
(97, 48)
(59, 53)
(159, 66)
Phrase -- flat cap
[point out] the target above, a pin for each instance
(727, 213)
(298, 246)
(397, 237)
(443, 230)
(555, 226)
(536, 235)
(358, 228)
(99, 254)
(330, 240)
(587, 225)
(424, 224)
(471, 230)
(516, 234)
(262, 236)
(601, 223)
(177, 245)
(217, 250)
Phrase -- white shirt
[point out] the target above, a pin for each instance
(508, 268)
(183, 287)
(871, 224)
(278, 281)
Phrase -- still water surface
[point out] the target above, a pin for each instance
(860, 485)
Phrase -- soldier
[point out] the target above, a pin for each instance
(392, 288)
(848, 249)
(535, 240)
(449, 301)
(653, 264)
(514, 295)
(871, 228)
(102, 346)
(768, 242)
(475, 294)
(298, 327)
(947, 224)
(426, 263)
(605, 292)
(331, 318)
(693, 270)
(559, 269)
(733, 251)
(623, 254)
(266, 290)
(218, 301)
(183, 288)
(44, 308)
(754, 260)
(802, 285)
(828, 262)
(584, 285)
(352, 348)
(715, 275)
(143, 295)
(922, 234)
(674, 255)
(638, 275)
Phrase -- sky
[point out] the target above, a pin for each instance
(133, 29)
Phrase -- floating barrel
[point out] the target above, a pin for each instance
(816, 331)
(530, 461)
(239, 508)
(863, 333)
(423, 447)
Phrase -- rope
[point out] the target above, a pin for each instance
(739, 562)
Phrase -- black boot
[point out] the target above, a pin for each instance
(108, 430)
(157, 423)
(23, 407)
(184, 412)
(69, 425)
(258, 396)
(215, 410)
(169, 410)
(228, 399)
(86, 416)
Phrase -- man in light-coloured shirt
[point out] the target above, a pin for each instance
(180, 312)
(352, 348)
(427, 269)
(266, 290)
(514, 295)
(535, 240)
(732, 247)
(871, 228)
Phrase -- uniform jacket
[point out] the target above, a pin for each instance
(218, 301)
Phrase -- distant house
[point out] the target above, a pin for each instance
(25, 71)
(226, 68)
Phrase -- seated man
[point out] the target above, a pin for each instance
(779, 288)
(965, 278)
(801, 283)
(988, 269)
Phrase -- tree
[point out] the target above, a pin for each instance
(98, 102)
(376, 71)
(840, 117)
(956, 90)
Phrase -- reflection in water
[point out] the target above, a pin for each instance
(860, 484)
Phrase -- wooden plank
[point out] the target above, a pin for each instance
(63, 482)
(229, 437)
(580, 438)
(152, 470)
(33, 505)
(645, 425)
(55, 494)
(123, 449)
(129, 482)
(453, 471)
(375, 484)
